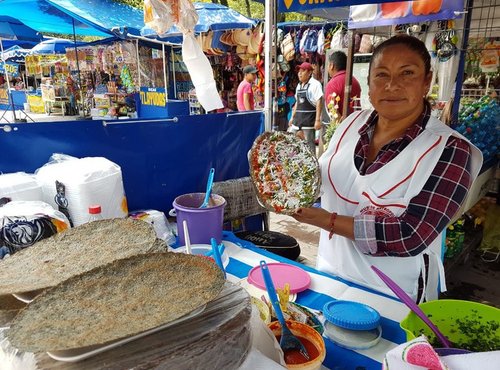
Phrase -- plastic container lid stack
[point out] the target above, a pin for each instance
(352, 325)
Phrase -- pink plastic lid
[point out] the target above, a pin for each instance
(281, 273)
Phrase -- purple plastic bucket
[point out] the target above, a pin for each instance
(203, 223)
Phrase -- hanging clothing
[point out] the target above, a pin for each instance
(387, 191)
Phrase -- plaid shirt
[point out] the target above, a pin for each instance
(429, 212)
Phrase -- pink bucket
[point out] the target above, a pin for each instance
(203, 223)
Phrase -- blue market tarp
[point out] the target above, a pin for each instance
(22, 43)
(159, 159)
(212, 17)
(15, 54)
(54, 46)
(13, 29)
(90, 17)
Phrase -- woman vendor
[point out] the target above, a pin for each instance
(392, 179)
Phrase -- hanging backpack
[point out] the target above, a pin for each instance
(298, 37)
(311, 41)
(288, 47)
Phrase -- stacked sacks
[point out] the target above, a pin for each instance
(71, 185)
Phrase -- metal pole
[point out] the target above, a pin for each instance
(138, 63)
(77, 67)
(172, 55)
(348, 73)
(164, 70)
(9, 96)
(461, 62)
(268, 98)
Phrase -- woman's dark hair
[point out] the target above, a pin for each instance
(339, 60)
(411, 43)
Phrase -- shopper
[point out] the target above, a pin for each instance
(244, 95)
(336, 86)
(392, 180)
(306, 113)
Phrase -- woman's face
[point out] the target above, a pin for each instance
(398, 82)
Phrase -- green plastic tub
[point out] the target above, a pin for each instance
(469, 325)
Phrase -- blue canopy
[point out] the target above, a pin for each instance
(13, 29)
(15, 53)
(89, 17)
(212, 17)
(53, 46)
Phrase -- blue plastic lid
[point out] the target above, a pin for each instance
(351, 315)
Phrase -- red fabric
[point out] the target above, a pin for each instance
(337, 85)
(244, 87)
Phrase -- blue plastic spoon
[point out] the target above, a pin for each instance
(217, 255)
(288, 341)
(209, 188)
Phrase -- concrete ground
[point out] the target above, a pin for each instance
(306, 235)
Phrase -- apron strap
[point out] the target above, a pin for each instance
(436, 278)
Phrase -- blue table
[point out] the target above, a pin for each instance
(324, 288)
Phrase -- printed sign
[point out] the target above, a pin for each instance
(4, 97)
(154, 96)
(303, 5)
(403, 12)
(12, 69)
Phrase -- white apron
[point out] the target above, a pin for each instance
(387, 191)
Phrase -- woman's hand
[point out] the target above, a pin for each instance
(344, 225)
(313, 216)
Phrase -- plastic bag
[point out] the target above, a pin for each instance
(160, 15)
(201, 74)
(19, 186)
(159, 222)
(71, 185)
(22, 224)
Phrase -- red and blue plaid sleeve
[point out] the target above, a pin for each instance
(427, 214)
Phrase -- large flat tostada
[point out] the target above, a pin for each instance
(284, 171)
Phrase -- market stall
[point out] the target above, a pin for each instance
(163, 158)
(224, 36)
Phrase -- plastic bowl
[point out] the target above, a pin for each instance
(479, 323)
(305, 331)
(202, 249)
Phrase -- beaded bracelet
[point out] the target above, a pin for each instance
(333, 217)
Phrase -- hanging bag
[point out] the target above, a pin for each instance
(288, 47)
(256, 39)
(311, 41)
(337, 37)
(321, 42)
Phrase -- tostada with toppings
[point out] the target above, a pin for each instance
(284, 171)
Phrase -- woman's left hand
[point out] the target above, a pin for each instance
(313, 216)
